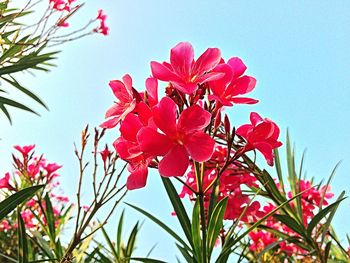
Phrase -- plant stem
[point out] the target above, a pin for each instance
(200, 195)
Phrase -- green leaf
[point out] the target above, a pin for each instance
(230, 243)
(10, 203)
(50, 218)
(291, 223)
(186, 254)
(179, 208)
(5, 101)
(196, 231)
(131, 241)
(22, 240)
(162, 225)
(119, 235)
(215, 224)
(320, 215)
(30, 94)
(148, 260)
(110, 244)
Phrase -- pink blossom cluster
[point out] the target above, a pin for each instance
(310, 200)
(68, 7)
(231, 184)
(185, 125)
(33, 170)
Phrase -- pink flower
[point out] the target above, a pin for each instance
(61, 5)
(181, 139)
(5, 182)
(103, 29)
(234, 83)
(125, 103)
(25, 150)
(262, 135)
(128, 147)
(183, 72)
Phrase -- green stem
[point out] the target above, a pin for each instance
(200, 195)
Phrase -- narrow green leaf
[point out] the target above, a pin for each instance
(148, 260)
(196, 231)
(50, 218)
(131, 241)
(110, 244)
(279, 169)
(327, 225)
(10, 203)
(230, 243)
(178, 207)
(6, 101)
(269, 247)
(30, 94)
(291, 223)
(119, 235)
(328, 183)
(215, 224)
(22, 240)
(320, 215)
(162, 225)
(186, 254)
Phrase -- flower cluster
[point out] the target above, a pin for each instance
(66, 9)
(230, 184)
(33, 170)
(311, 198)
(185, 126)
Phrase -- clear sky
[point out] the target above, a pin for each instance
(298, 51)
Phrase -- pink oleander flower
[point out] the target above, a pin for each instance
(25, 150)
(183, 72)
(51, 168)
(61, 5)
(128, 148)
(125, 103)
(227, 90)
(261, 134)
(102, 29)
(5, 182)
(181, 139)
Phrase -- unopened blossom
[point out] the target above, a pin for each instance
(105, 154)
(179, 140)
(261, 134)
(227, 90)
(124, 104)
(185, 73)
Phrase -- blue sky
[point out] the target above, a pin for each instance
(298, 51)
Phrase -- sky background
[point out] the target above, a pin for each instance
(298, 51)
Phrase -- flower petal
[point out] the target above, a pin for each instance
(207, 61)
(200, 146)
(255, 118)
(130, 126)
(137, 179)
(153, 143)
(266, 150)
(181, 59)
(243, 85)
(162, 72)
(175, 163)
(237, 66)
(193, 119)
(244, 100)
(164, 115)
